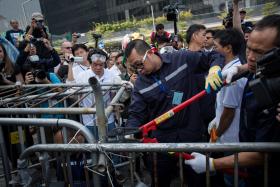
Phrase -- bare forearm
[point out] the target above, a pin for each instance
(236, 20)
(245, 159)
(225, 121)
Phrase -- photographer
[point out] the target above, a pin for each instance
(78, 63)
(30, 54)
(38, 31)
(160, 36)
(9, 72)
(256, 124)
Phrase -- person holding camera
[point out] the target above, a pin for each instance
(256, 124)
(160, 36)
(38, 31)
(77, 63)
(9, 73)
(28, 60)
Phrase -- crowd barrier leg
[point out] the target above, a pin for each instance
(265, 169)
(181, 171)
(5, 158)
(68, 163)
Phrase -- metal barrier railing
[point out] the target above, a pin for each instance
(31, 96)
(166, 147)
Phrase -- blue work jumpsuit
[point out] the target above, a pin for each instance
(158, 92)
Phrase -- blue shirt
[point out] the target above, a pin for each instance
(153, 95)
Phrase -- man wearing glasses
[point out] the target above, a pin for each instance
(166, 81)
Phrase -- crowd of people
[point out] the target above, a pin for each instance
(164, 73)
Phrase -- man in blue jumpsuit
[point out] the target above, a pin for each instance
(165, 81)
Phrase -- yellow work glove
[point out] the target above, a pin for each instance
(214, 79)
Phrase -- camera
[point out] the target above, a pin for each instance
(266, 87)
(39, 24)
(171, 12)
(77, 59)
(34, 40)
(39, 73)
(228, 20)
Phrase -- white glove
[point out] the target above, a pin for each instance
(229, 73)
(212, 125)
(198, 164)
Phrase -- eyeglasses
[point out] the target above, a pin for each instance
(208, 37)
(96, 57)
(138, 65)
(68, 47)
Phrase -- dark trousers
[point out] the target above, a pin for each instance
(166, 169)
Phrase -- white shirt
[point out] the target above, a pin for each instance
(108, 77)
(230, 97)
(115, 70)
(77, 69)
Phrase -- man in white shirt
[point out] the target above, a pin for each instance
(77, 64)
(229, 98)
(97, 59)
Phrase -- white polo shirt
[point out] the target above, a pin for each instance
(230, 97)
(108, 77)
(77, 69)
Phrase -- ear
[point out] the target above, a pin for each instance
(228, 48)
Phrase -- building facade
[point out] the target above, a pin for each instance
(78, 16)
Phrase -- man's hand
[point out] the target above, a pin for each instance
(198, 164)
(214, 79)
(28, 37)
(48, 44)
(278, 110)
(29, 78)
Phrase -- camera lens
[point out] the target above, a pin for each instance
(40, 74)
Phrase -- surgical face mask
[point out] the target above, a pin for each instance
(96, 57)
(34, 58)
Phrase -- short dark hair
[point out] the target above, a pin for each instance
(231, 37)
(159, 26)
(96, 51)
(79, 46)
(271, 21)
(139, 45)
(211, 31)
(192, 29)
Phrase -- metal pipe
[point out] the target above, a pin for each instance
(207, 170)
(37, 96)
(159, 147)
(80, 99)
(47, 111)
(49, 123)
(68, 161)
(64, 98)
(235, 169)
(60, 85)
(5, 158)
(181, 171)
(101, 119)
(13, 99)
(4, 101)
(118, 95)
(48, 98)
(265, 170)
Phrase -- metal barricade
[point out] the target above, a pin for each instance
(206, 148)
(14, 98)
